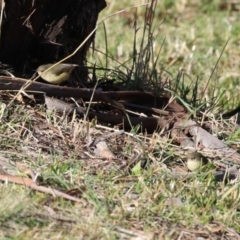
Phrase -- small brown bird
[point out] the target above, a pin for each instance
(195, 160)
(58, 74)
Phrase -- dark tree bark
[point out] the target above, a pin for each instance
(35, 32)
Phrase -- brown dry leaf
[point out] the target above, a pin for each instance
(61, 106)
(31, 184)
(173, 202)
(19, 180)
(103, 151)
(208, 142)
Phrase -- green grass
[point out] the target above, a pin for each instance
(191, 36)
(117, 203)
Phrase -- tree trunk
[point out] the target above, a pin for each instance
(35, 32)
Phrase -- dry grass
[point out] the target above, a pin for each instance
(144, 190)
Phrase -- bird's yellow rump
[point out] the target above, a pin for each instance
(195, 160)
(58, 74)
